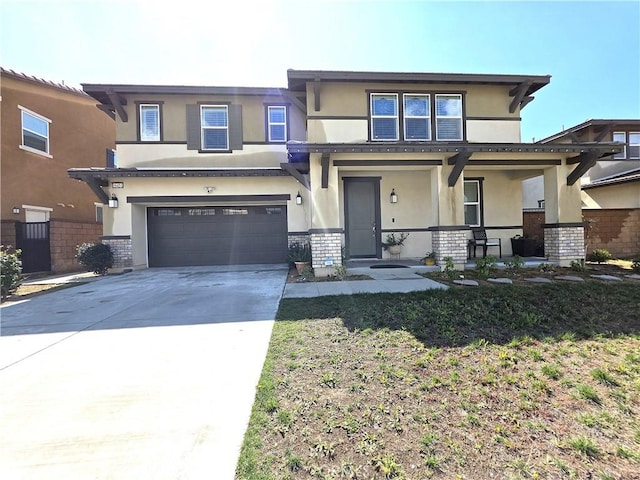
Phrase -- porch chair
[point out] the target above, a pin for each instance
(480, 240)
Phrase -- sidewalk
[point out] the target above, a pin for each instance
(392, 280)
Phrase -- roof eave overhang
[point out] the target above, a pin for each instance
(601, 149)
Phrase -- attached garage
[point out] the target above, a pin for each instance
(214, 235)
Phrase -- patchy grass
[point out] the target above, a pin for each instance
(465, 383)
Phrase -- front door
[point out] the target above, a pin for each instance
(362, 217)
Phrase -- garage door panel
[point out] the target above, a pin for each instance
(192, 236)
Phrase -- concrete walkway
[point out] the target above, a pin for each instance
(396, 280)
(147, 375)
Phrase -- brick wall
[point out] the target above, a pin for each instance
(302, 239)
(614, 229)
(8, 233)
(564, 244)
(450, 243)
(65, 236)
(122, 251)
(325, 246)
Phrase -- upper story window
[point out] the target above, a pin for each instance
(634, 145)
(214, 124)
(631, 141)
(448, 117)
(417, 121)
(622, 138)
(384, 116)
(421, 114)
(149, 122)
(35, 132)
(276, 123)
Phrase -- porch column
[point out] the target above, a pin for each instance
(325, 232)
(449, 236)
(563, 228)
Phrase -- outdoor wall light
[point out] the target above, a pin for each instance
(298, 199)
(113, 201)
(209, 189)
(393, 197)
(15, 210)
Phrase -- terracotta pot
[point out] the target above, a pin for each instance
(300, 266)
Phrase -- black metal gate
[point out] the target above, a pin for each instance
(33, 240)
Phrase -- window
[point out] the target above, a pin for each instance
(634, 145)
(149, 123)
(384, 116)
(622, 138)
(448, 117)
(277, 123)
(214, 124)
(417, 122)
(99, 212)
(35, 132)
(472, 203)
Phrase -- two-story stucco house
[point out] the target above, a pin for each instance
(47, 128)
(217, 175)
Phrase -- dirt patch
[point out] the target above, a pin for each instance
(294, 277)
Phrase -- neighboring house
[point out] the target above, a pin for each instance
(219, 175)
(47, 128)
(612, 182)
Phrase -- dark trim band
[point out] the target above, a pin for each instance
(385, 163)
(326, 230)
(410, 230)
(518, 119)
(448, 228)
(209, 198)
(298, 233)
(337, 117)
(563, 225)
(115, 237)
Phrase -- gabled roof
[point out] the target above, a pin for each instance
(626, 177)
(298, 78)
(7, 72)
(603, 123)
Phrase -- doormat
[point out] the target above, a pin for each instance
(387, 265)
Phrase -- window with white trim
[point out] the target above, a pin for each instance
(472, 203)
(622, 138)
(214, 124)
(634, 145)
(384, 116)
(277, 123)
(149, 122)
(99, 212)
(417, 117)
(449, 117)
(35, 131)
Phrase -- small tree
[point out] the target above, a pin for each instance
(96, 258)
(10, 271)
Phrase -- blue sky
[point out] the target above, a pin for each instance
(591, 49)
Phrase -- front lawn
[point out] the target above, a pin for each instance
(514, 382)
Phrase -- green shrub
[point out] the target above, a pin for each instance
(449, 269)
(599, 255)
(578, 265)
(96, 258)
(299, 252)
(10, 271)
(486, 266)
(516, 265)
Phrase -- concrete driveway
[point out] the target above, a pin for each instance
(147, 375)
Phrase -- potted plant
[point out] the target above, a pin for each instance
(394, 243)
(300, 255)
(429, 258)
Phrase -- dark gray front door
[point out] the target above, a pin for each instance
(182, 236)
(362, 217)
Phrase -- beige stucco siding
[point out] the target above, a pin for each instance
(498, 131)
(338, 131)
(624, 195)
(351, 99)
(130, 219)
(173, 121)
(177, 156)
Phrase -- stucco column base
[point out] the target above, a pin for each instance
(450, 242)
(564, 243)
(326, 251)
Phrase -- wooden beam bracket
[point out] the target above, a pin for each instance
(585, 161)
(118, 102)
(296, 101)
(519, 96)
(316, 94)
(459, 160)
(295, 173)
(96, 187)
